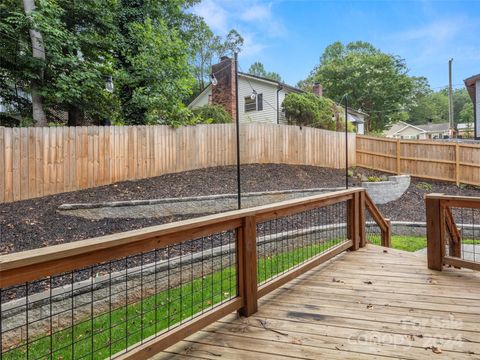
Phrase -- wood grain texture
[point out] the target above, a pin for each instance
(455, 162)
(369, 313)
(42, 161)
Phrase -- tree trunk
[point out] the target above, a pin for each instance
(75, 116)
(38, 52)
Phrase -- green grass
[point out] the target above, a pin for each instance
(411, 243)
(125, 326)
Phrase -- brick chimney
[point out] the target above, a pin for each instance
(224, 93)
(318, 89)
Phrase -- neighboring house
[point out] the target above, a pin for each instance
(260, 99)
(473, 86)
(403, 130)
(465, 130)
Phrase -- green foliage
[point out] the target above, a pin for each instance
(376, 82)
(212, 114)
(258, 69)
(146, 47)
(424, 186)
(374, 179)
(309, 110)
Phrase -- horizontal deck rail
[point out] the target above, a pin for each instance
(139, 292)
(451, 236)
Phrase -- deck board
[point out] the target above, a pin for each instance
(368, 304)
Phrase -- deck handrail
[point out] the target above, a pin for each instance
(383, 223)
(442, 230)
(35, 265)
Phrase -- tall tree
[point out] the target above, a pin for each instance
(38, 52)
(258, 69)
(376, 82)
(206, 48)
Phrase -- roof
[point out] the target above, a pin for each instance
(470, 84)
(425, 128)
(434, 127)
(278, 83)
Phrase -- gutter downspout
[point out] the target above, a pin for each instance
(278, 103)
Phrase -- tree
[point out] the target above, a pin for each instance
(38, 52)
(233, 43)
(376, 82)
(309, 110)
(258, 69)
(206, 46)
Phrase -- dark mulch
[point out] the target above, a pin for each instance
(35, 223)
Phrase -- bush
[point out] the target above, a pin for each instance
(212, 114)
(309, 110)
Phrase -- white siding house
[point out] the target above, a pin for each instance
(259, 99)
(268, 100)
(473, 87)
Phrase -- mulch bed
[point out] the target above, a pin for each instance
(35, 223)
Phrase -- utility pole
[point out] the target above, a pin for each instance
(450, 100)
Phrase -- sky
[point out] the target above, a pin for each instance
(289, 36)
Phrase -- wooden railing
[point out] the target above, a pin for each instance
(25, 268)
(445, 232)
(382, 223)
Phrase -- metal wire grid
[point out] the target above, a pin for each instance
(112, 307)
(468, 224)
(287, 242)
(373, 233)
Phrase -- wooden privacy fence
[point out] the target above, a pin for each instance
(42, 161)
(448, 161)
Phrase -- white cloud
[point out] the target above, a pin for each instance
(257, 12)
(254, 20)
(214, 15)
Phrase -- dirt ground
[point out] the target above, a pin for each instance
(35, 223)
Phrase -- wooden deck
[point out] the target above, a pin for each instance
(364, 304)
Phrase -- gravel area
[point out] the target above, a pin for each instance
(36, 223)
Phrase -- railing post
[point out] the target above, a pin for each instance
(435, 232)
(362, 219)
(247, 265)
(387, 235)
(353, 220)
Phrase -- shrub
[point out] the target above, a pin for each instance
(212, 114)
(309, 110)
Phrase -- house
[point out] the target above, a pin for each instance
(473, 86)
(465, 130)
(260, 99)
(403, 130)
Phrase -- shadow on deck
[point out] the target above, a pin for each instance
(371, 303)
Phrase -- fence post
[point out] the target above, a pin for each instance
(457, 164)
(435, 232)
(353, 220)
(398, 156)
(247, 265)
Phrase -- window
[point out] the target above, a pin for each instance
(254, 104)
(250, 104)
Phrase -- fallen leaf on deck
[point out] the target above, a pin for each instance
(297, 341)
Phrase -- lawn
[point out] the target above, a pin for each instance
(125, 326)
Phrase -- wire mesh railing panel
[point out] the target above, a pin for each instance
(373, 233)
(285, 243)
(467, 222)
(112, 307)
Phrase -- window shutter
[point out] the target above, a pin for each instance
(259, 102)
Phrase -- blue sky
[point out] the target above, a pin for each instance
(288, 36)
